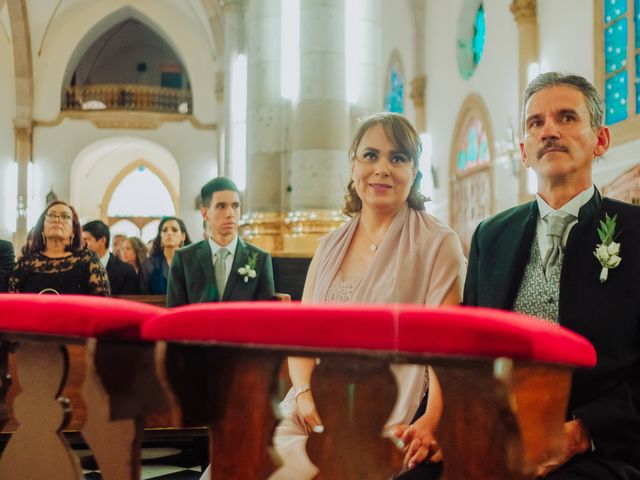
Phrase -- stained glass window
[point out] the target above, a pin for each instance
(615, 45)
(480, 30)
(394, 100)
(473, 149)
(470, 38)
(616, 97)
(621, 59)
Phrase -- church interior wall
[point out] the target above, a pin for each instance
(127, 62)
(175, 21)
(7, 113)
(495, 80)
(398, 35)
(194, 150)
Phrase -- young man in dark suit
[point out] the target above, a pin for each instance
(122, 276)
(7, 260)
(546, 258)
(223, 267)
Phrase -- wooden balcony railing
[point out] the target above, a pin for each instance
(140, 98)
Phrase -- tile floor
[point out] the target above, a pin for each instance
(158, 463)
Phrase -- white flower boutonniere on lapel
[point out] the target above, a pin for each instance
(607, 252)
(249, 270)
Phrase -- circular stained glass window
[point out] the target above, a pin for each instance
(472, 30)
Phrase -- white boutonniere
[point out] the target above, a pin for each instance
(607, 252)
(249, 270)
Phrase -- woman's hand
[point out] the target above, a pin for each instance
(307, 410)
(419, 445)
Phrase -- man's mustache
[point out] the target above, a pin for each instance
(550, 145)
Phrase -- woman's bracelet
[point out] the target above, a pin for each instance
(301, 389)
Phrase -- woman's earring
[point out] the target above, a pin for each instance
(44, 239)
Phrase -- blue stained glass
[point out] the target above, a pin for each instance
(394, 102)
(637, 22)
(615, 46)
(637, 83)
(613, 9)
(480, 31)
(462, 159)
(616, 94)
(472, 147)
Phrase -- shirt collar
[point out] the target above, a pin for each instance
(104, 260)
(231, 246)
(572, 206)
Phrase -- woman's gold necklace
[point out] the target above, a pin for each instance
(372, 246)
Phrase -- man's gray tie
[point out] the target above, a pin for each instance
(556, 225)
(221, 270)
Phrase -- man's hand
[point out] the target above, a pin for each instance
(419, 445)
(576, 440)
(307, 410)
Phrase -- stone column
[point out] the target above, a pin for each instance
(267, 128)
(321, 127)
(365, 25)
(233, 12)
(23, 149)
(526, 17)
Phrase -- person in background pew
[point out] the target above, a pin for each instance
(116, 245)
(391, 251)
(122, 277)
(134, 252)
(573, 258)
(222, 267)
(172, 235)
(55, 260)
(7, 259)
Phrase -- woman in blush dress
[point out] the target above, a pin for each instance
(391, 251)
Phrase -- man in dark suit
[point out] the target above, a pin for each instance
(6, 263)
(122, 276)
(223, 267)
(546, 258)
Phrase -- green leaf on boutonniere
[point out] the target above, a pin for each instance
(607, 229)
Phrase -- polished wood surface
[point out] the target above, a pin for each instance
(234, 394)
(500, 419)
(37, 449)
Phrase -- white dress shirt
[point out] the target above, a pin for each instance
(104, 260)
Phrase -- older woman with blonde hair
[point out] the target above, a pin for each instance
(389, 234)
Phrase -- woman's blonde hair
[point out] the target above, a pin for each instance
(405, 139)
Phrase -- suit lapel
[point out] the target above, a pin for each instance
(525, 231)
(206, 262)
(239, 260)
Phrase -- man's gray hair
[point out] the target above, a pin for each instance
(553, 79)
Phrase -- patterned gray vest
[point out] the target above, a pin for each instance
(539, 295)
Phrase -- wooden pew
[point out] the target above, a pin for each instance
(505, 381)
(116, 385)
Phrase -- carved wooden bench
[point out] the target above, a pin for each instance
(117, 387)
(505, 381)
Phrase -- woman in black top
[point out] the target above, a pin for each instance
(172, 235)
(55, 260)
